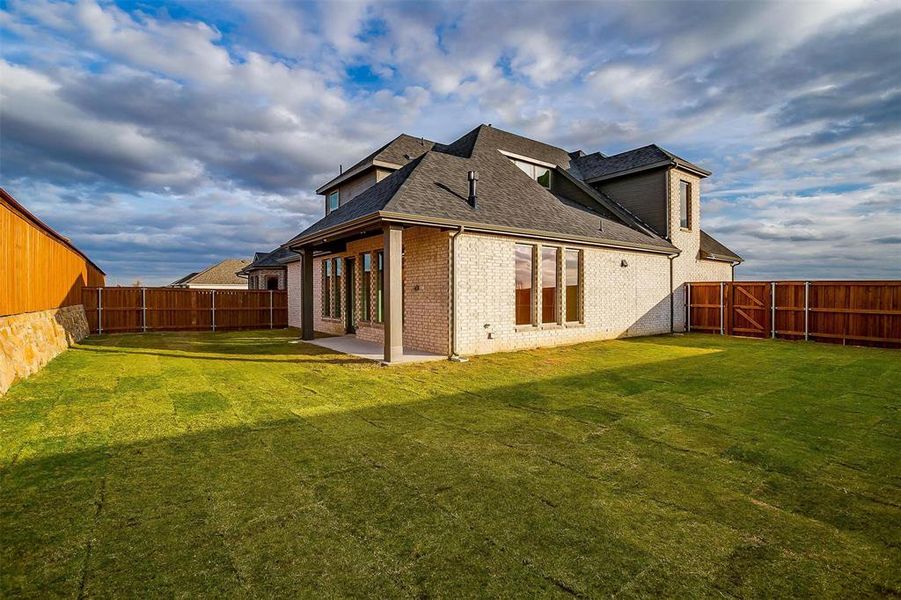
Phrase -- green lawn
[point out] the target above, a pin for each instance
(246, 464)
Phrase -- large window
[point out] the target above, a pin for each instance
(326, 288)
(523, 285)
(365, 288)
(685, 204)
(333, 201)
(540, 174)
(549, 285)
(380, 287)
(337, 292)
(573, 285)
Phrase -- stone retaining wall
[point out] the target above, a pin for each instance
(28, 341)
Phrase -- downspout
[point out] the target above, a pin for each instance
(672, 296)
(453, 295)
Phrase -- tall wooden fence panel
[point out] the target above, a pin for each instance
(39, 268)
(864, 313)
(120, 310)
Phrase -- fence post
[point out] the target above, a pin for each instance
(100, 310)
(144, 309)
(773, 304)
(214, 310)
(270, 309)
(722, 310)
(688, 308)
(806, 310)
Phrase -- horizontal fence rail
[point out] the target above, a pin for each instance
(126, 309)
(862, 313)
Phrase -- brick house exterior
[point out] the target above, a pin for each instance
(268, 270)
(536, 251)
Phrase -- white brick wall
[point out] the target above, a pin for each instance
(618, 301)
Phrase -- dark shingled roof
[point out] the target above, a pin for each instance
(712, 249)
(269, 260)
(594, 166)
(435, 186)
(396, 152)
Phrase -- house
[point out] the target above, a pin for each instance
(498, 242)
(268, 270)
(221, 276)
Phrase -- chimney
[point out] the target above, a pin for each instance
(473, 177)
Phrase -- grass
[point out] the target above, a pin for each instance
(246, 464)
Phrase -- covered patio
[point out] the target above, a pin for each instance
(379, 288)
(351, 344)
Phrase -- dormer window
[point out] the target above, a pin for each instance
(537, 172)
(332, 203)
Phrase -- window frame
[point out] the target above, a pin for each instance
(580, 266)
(532, 171)
(531, 249)
(326, 295)
(337, 276)
(328, 201)
(380, 286)
(551, 253)
(366, 287)
(684, 204)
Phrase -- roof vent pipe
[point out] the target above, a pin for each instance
(473, 177)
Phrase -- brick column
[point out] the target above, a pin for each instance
(306, 293)
(392, 290)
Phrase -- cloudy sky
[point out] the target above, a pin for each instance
(162, 137)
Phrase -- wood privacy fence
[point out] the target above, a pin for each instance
(864, 313)
(132, 309)
(39, 268)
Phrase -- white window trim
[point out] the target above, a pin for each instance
(528, 159)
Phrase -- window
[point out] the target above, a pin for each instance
(379, 287)
(685, 204)
(573, 285)
(540, 174)
(332, 201)
(272, 283)
(549, 285)
(338, 269)
(523, 285)
(326, 288)
(365, 287)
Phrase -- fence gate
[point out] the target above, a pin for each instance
(751, 308)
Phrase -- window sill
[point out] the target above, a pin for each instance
(375, 324)
(574, 324)
(332, 320)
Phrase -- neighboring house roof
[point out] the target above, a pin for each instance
(183, 280)
(274, 259)
(434, 189)
(23, 212)
(594, 167)
(714, 250)
(222, 273)
(394, 154)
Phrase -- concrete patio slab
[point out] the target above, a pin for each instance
(350, 344)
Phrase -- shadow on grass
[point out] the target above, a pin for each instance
(588, 484)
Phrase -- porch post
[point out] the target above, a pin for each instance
(306, 293)
(394, 324)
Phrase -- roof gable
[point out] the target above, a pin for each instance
(397, 152)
